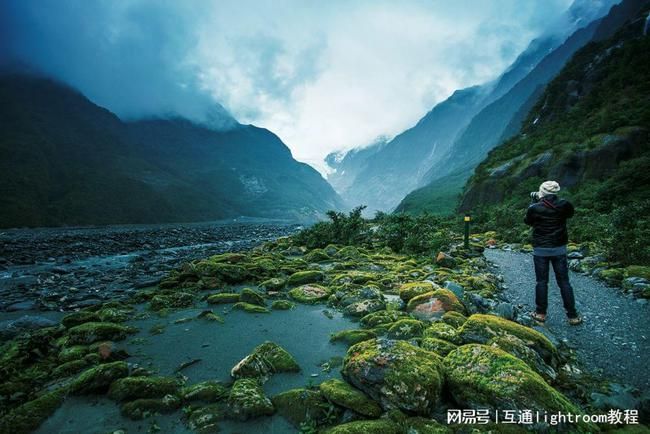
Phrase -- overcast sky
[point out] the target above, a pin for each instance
(323, 75)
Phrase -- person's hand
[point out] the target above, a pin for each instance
(534, 196)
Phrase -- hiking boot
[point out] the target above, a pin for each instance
(575, 320)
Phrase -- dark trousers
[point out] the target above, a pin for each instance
(561, 269)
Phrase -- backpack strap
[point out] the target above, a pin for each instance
(548, 204)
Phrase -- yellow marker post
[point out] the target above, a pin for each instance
(467, 220)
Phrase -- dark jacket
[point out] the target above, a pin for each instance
(548, 218)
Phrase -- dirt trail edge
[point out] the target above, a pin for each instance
(615, 336)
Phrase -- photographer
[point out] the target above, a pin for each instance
(547, 215)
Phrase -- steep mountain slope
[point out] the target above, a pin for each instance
(590, 132)
(502, 118)
(64, 160)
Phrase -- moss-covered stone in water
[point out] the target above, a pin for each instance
(211, 316)
(205, 419)
(480, 328)
(99, 378)
(382, 317)
(130, 388)
(479, 376)
(173, 300)
(434, 304)
(396, 374)
(518, 348)
(250, 308)
(223, 298)
(443, 331)
(142, 408)
(303, 405)
(454, 319)
(437, 346)
(69, 368)
(303, 277)
(344, 395)
(352, 337)
(90, 332)
(409, 290)
(206, 391)
(29, 416)
(252, 297)
(407, 328)
(310, 293)
(378, 426)
(76, 318)
(273, 284)
(266, 359)
(247, 400)
(229, 273)
(75, 352)
(364, 307)
(115, 313)
(282, 305)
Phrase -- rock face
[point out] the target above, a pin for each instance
(434, 304)
(479, 376)
(266, 359)
(396, 374)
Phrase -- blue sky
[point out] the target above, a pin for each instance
(323, 75)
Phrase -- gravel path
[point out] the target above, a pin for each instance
(615, 336)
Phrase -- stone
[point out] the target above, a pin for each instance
(434, 304)
(99, 378)
(363, 308)
(301, 406)
(266, 359)
(252, 297)
(407, 328)
(310, 294)
(445, 260)
(304, 277)
(443, 331)
(90, 332)
(248, 401)
(344, 395)
(353, 336)
(206, 391)
(130, 388)
(223, 298)
(409, 290)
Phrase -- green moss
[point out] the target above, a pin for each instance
(300, 406)
(437, 346)
(379, 426)
(310, 293)
(247, 400)
(420, 425)
(90, 332)
(344, 395)
(353, 336)
(638, 271)
(282, 305)
(613, 276)
(250, 308)
(130, 388)
(211, 316)
(69, 354)
(406, 328)
(396, 374)
(76, 318)
(205, 419)
(252, 297)
(317, 255)
(409, 290)
(223, 298)
(434, 304)
(454, 319)
(115, 313)
(29, 416)
(143, 408)
(69, 368)
(173, 300)
(99, 378)
(382, 317)
(273, 284)
(443, 331)
(304, 277)
(266, 359)
(206, 391)
(481, 328)
(518, 348)
(228, 273)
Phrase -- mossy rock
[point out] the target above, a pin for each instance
(480, 376)
(353, 336)
(99, 378)
(143, 408)
(174, 300)
(77, 318)
(421, 425)
(205, 419)
(300, 406)
(30, 415)
(229, 273)
(90, 332)
(115, 314)
(250, 308)
(282, 305)
(317, 255)
(437, 346)
(273, 284)
(69, 368)
(434, 304)
(613, 276)
(396, 374)
(407, 328)
(349, 252)
(229, 258)
(480, 328)
(377, 426)
(638, 271)
(518, 348)
(382, 317)
(247, 400)
(409, 290)
(443, 331)
(266, 359)
(304, 277)
(206, 391)
(252, 297)
(75, 352)
(130, 388)
(344, 395)
(367, 292)
(310, 294)
(223, 298)
(364, 307)
(211, 316)
(454, 319)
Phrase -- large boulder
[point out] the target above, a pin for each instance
(396, 374)
(434, 304)
(265, 360)
(480, 328)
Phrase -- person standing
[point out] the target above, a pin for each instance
(547, 214)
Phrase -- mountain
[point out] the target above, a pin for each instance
(67, 161)
(502, 118)
(382, 174)
(590, 131)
